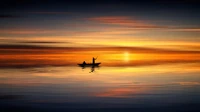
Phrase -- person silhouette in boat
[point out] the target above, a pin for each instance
(84, 62)
(90, 64)
(93, 61)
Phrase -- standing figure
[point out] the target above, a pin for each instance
(93, 60)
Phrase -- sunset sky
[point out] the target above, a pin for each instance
(67, 32)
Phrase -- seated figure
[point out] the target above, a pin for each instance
(84, 62)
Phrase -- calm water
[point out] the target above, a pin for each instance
(173, 87)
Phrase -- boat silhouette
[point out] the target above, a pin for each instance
(93, 64)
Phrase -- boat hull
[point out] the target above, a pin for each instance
(89, 64)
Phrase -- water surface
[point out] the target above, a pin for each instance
(168, 87)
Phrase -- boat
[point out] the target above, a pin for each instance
(93, 64)
(89, 64)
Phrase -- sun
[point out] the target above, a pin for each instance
(126, 56)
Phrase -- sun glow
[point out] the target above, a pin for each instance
(126, 56)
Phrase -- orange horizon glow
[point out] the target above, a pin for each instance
(108, 56)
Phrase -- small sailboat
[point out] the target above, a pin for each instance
(84, 64)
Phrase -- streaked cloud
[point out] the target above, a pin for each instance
(185, 29)
(124, 21)
(28, 31)
(189, 83)
(10, 97)
(48, 12)
(131, 23)
(122, 92)
(41, 42)
(8, 16)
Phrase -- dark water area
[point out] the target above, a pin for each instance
(166, 88)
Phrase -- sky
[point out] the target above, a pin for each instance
(43, 32)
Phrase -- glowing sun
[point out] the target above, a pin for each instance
(126, 56)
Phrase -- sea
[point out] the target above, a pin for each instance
(151, 88)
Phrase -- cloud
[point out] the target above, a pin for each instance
(83, 32)
(122, 92)
(102, 48)
(185, 29)
(124, 21)
(10, 97)
(30, 32)
(189, 83)
(5, 46)
(8, 16)
(47, 12)
(26, 31)
(41, 42)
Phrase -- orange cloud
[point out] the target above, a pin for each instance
(124, 21)
(189, 83)
(122, 92)
(185, 29)
(139, 24)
